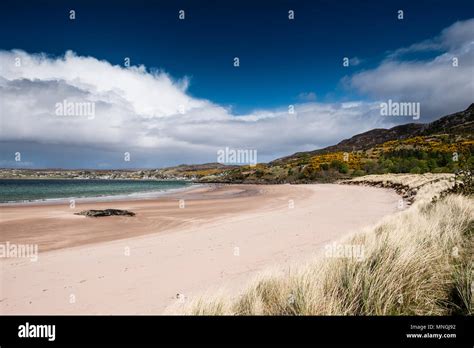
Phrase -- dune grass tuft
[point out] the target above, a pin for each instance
(415, 262)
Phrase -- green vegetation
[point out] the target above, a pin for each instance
(416, 155)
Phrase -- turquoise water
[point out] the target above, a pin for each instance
(18, 190)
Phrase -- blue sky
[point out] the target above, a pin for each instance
(280, 59)
(190, 61)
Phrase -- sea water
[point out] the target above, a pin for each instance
(31, 190)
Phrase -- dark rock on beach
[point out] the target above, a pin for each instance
(105, 212)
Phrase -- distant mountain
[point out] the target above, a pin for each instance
(192, 167)
(458, 123)
(192, 171)
(183, 171)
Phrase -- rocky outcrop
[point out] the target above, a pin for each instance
(406, 192)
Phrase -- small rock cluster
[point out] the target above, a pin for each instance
(407, 193)
(105, 212)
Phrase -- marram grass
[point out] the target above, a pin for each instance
(416, 262)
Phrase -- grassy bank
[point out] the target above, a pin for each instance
(418, 262)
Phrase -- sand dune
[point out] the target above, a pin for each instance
(166, 254)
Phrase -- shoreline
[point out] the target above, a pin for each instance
(59, 226)
(141, 195)
(174, 251)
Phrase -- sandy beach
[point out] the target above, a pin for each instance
(167, 254)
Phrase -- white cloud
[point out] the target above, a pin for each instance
(440, 87)
(151, 115)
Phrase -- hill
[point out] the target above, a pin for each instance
(458, 123)
(442, 146)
